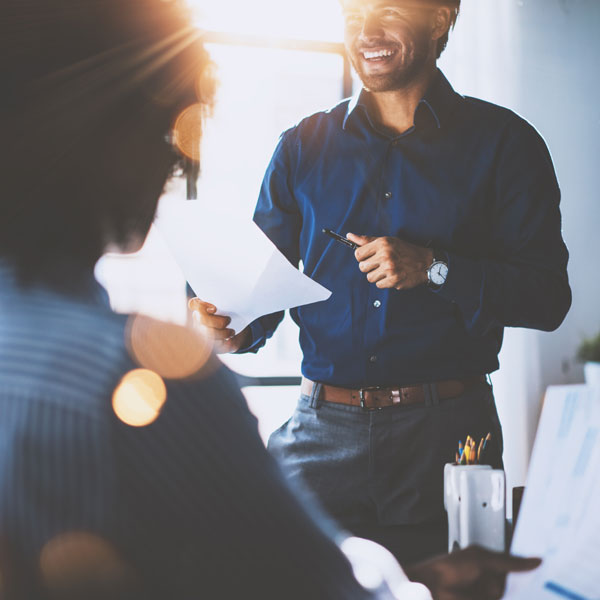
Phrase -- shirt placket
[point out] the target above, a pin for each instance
(378, 298)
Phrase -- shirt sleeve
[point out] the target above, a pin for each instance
(277, 214)
(212, 506)
(522, 280)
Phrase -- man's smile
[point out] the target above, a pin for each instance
(378, 54)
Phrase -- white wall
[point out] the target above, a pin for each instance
(541, 58)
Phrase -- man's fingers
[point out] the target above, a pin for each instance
(366, 266)
(215, 321)
(376, 276)
(361, 240)
(482, 591)
(385, 284)
(514, 564)
(364, 252)
(455, 596)
(503, 563)
(495, 586)
(201, 306)
(225, 346)
(366, 246)
(220, 334)
(488, 586)
(207, 314)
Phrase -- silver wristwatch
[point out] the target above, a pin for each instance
(437, 272)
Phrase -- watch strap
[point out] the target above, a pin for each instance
(439, 256)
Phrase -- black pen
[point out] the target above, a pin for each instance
(341, 239)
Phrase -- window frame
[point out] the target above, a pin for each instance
(293, 44)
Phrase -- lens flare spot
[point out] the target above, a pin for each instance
(139, 397)
(172, 351)
(187, 131)
(79, 559)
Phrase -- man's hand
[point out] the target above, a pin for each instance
(225, 340)
(390, 262)
(472, 574)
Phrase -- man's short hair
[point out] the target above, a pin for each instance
(81, 80)
(443, 41)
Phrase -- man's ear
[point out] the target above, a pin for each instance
(441, 22)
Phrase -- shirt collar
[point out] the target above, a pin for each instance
(440, 99)
(82, 286)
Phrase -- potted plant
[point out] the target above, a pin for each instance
(589, 354)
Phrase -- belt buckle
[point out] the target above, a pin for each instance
(361, 393)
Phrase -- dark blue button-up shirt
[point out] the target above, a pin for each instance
(471, 179)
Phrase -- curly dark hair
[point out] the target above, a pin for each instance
(91, 89)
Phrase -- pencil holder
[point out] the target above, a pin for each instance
(475, 500)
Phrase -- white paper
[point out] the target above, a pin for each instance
(560, 514)
(229, 262)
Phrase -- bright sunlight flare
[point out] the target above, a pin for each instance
(304, 19)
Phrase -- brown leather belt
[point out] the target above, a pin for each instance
(375, 398)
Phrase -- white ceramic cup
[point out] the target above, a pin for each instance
(475, 500)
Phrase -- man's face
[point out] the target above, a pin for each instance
(388, 41)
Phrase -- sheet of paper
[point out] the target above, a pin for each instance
(231, 263)
(560, 514)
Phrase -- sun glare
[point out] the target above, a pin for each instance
(303, 19)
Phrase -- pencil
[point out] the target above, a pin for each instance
(488, 438)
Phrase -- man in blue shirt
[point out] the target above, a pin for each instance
(454, 207)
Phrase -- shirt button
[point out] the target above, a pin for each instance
(388, 195)
(373, 358)
(377, 304)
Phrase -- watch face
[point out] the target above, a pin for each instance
(439, 273)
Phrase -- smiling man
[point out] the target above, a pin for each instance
(454, 206)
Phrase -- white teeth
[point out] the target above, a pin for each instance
(378, 54)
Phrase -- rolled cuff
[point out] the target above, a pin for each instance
(257, 338)
(463, 285)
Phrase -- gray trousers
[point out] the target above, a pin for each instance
(379, 473)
